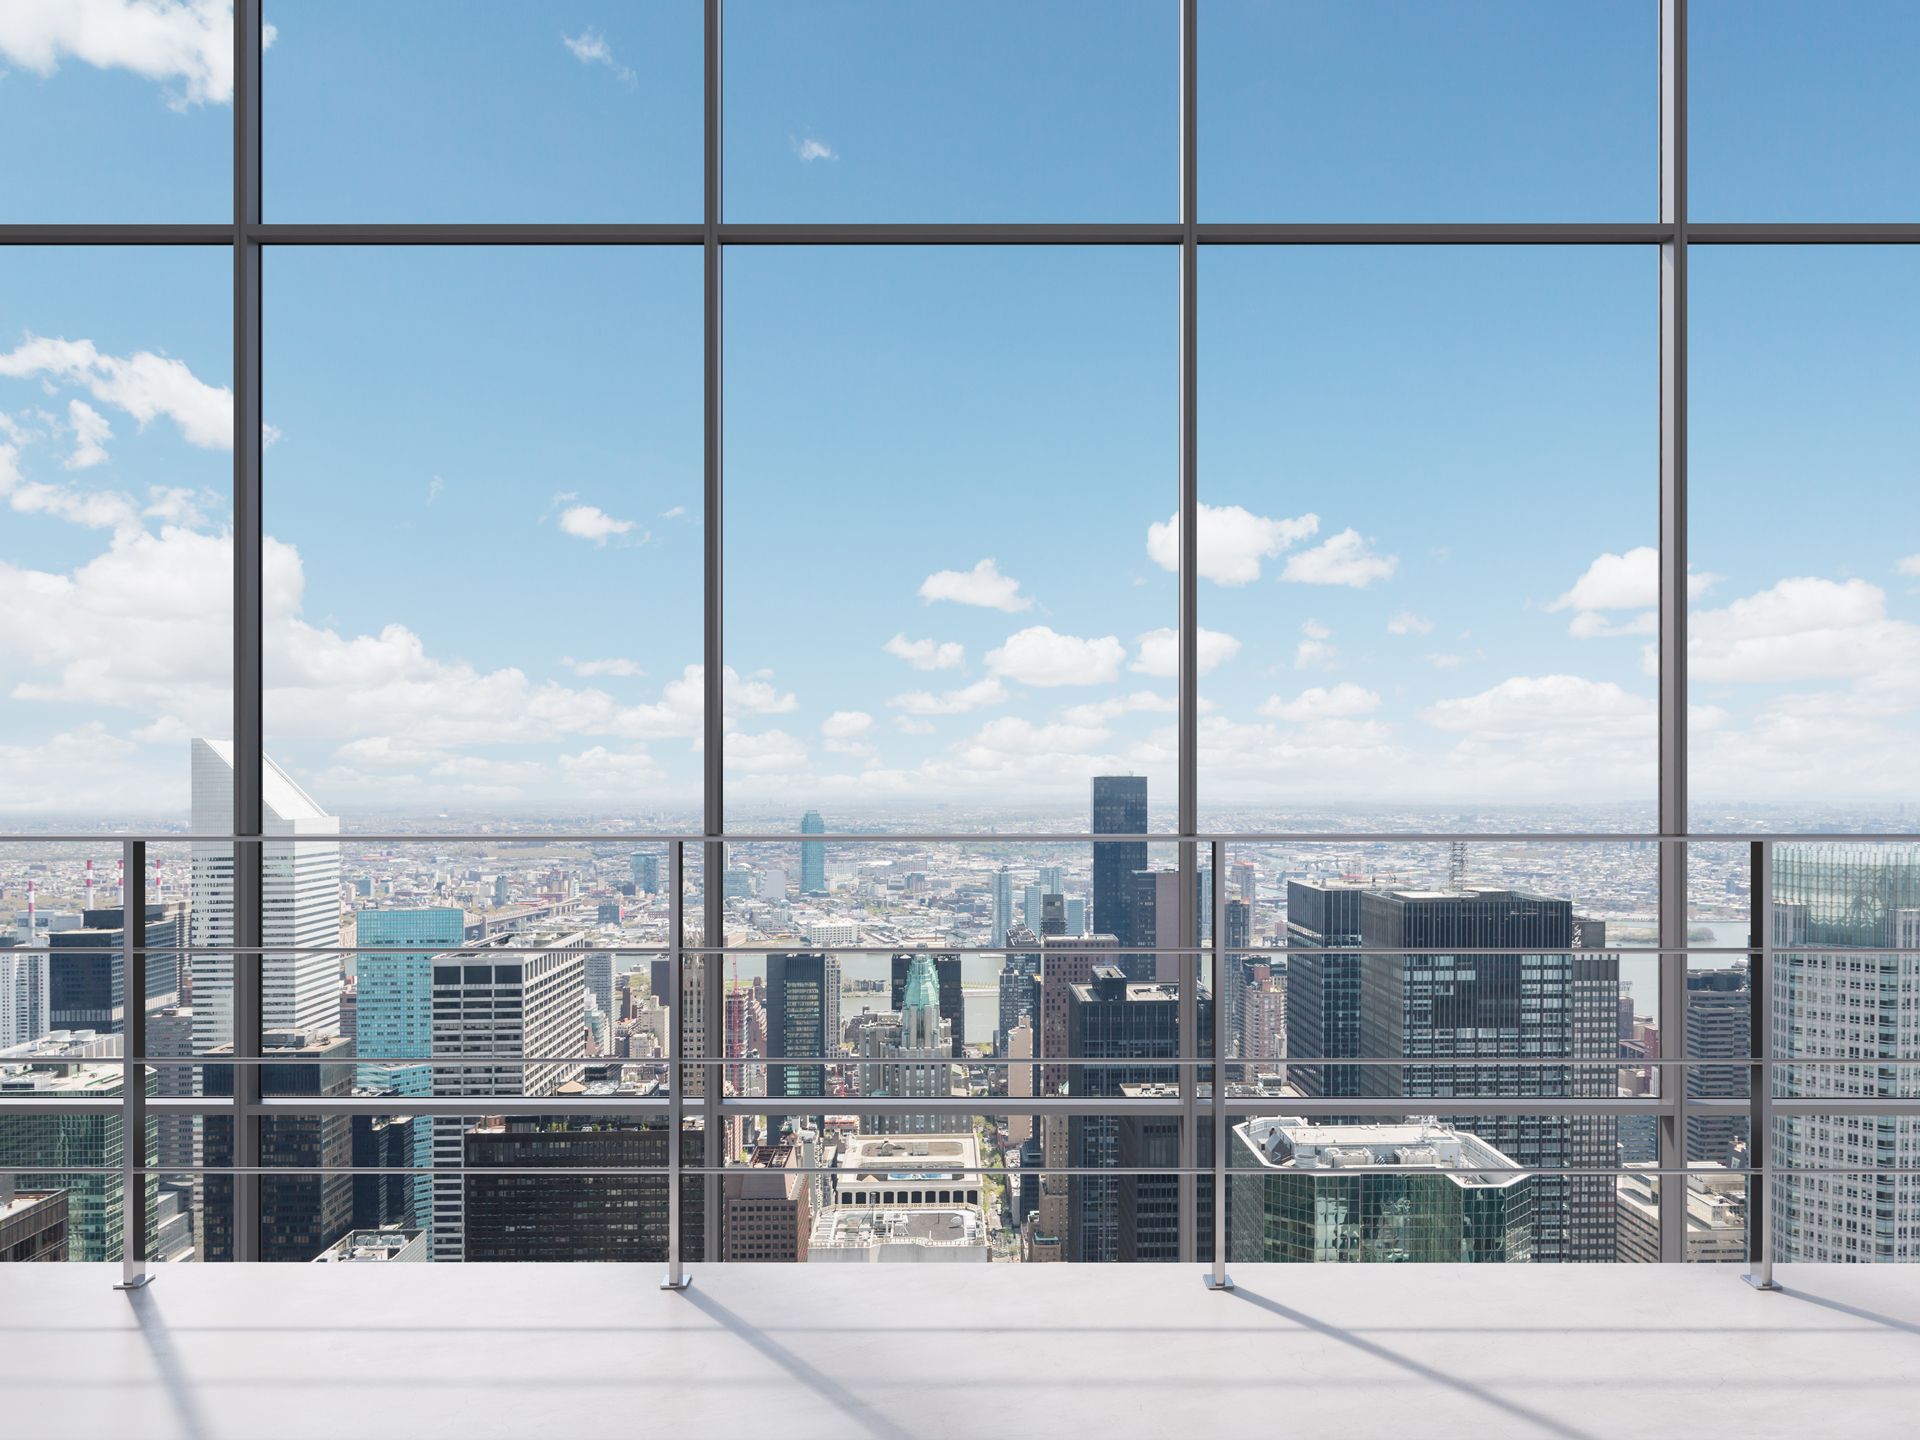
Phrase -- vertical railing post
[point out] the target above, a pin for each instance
(247, 958)
(1217, 1279)
(677, 1278)
(134, 1160)
(1760, 1087)
(1673, 631)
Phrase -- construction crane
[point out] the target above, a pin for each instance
(1456, 864)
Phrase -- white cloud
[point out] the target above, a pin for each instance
(1408, 623)
(589, 669)
(909, 725)
(810, 149)
(144, 385)
(1160, 651)
(436, 487)
(1342, 559)
(846, 724)
(1314, 629)
(1098, 712)
(769, 752)
(1909, 565)
(605, 773)
(1629, 581)
(952, 702)
(1341, 702)
(1554, 733)
(1804, 628)
(188, 43)
(927, 654)
(1042, 656)
(1231, 544)
(1441, 660)
(590, 522)
(983, 585)
(90, 435)
(1313, 655)
(590, 47)
(673, 512)
(1012, 735)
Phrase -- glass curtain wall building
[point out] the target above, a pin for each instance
(577, 588)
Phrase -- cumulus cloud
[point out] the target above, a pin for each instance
(1160, 651)
(1343, 559)
(1042, 656)
(1628, 581)
(768, 752)
(983, 585)
(144, 385)
(927, 654)
(1340, 702)
(810, 149)
(590, 522)
(1408, 623)
(1800, 629)
(1099, 712)
(90, 435)
(590, 47)
(590, 669)
(952, 702)
(1908, 565)
(187, 44)
(1231, 543)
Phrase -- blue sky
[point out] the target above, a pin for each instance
(1428, 475)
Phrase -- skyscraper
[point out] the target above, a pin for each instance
(916, 1058)
(1065, 961)
(953, 1001)
(86, 968)
(299, 903)
(1719, 1027)
(1119, 808)
(1002, 905)
(799, 1027)
(25, 983)
(1019, 984)
(1323, 986)
(518, 996)
(1853, 1002)
(643, 868)
(1448, 998)
(813, 855)
(394, 1018)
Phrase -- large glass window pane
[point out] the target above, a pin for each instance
(443, 110)
(483, 509)
(117, 117)
(941, 465)
(1803, 111)
(116, 588)
(1407, 110)
(1427, 519)
(1007, 110)
(1804, 644)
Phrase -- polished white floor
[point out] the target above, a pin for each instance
(988, 1353)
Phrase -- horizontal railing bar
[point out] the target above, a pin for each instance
(478, 950)
(1092, 1172)
(1589, 1062)
(977, 837)
(1416, 232)
(968, 233)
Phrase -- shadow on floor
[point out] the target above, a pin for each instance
(1545, 1424)
(191, 1422)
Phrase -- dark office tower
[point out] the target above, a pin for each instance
(1119, 808)
(599, 966)
(1019, 985)
(644, 868)
(1456, 1001)
(1719, 1027)
(1147, 1207)
(1323, 989)
(383, 1151)
(309, 1207)
(953, 1002)
(1065, 961)
(1238, 938)
(550, 1214)
(1053, 914)
(813, 855)
(797, 1026)
(1135, 1025)
(86, 968)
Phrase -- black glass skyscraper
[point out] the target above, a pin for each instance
(798, 1025)
(1119, 808)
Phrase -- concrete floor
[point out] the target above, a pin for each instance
(890, 1352)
